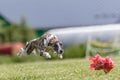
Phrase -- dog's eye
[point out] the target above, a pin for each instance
(61, 44)
(55, 45)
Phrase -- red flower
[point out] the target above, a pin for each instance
(98, 63)
(108, 64)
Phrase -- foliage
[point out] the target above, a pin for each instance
(21, 59)
(67, 69)
(75, 51)
(18, 33)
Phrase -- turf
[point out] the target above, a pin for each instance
(67, 69)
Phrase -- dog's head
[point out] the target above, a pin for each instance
(57, 46)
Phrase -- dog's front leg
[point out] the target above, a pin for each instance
(46, 54)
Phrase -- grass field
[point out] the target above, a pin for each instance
(67, 69)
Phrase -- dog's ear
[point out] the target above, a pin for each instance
(54, 39)
(61, 43)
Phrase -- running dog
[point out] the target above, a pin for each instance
(42, 46)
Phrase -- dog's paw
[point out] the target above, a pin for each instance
(60, 56)
(48, 56)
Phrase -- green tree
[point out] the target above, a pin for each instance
(19, 32)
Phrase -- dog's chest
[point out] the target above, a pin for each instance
(49, 48)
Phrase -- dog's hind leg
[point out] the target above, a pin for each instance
(22, 52)
(35, 51)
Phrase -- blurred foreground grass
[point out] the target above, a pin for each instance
(21, 59)
(66, 69)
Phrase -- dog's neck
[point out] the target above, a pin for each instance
(49, 38)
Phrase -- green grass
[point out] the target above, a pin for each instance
(67, 69)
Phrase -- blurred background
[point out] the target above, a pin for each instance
(85, 27)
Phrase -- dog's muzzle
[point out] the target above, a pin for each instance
(60, 54)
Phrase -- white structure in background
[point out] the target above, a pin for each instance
(75, 35)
